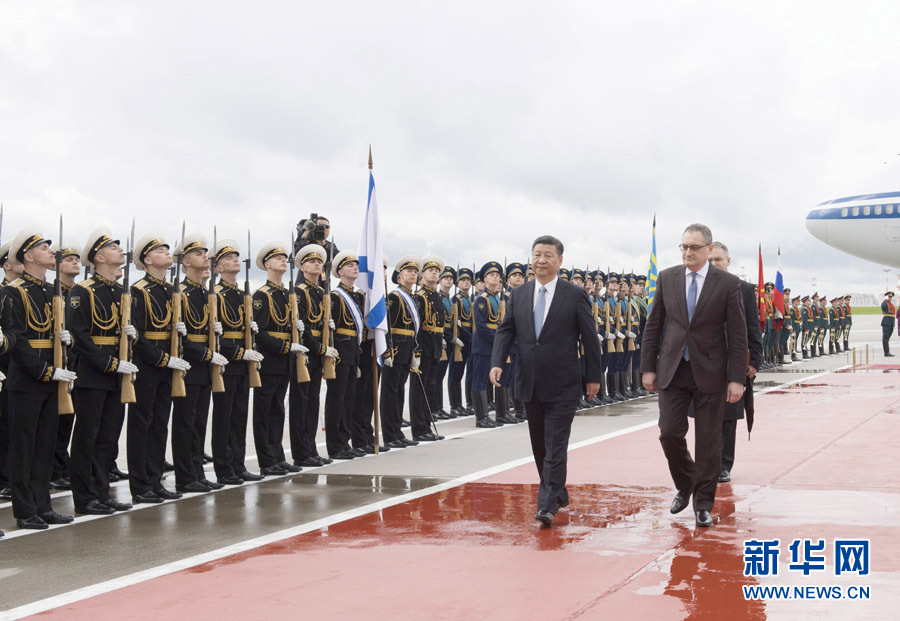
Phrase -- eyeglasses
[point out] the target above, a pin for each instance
(684, 248)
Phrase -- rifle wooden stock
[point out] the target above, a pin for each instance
(628, 326)
(249, 342)
(125, 349)
(216, 371)
(178, 389)
(619, 348)
(63, 396)
(608, 332)
(595, 311)
(454, 317)
(302, 371)
(328, 371)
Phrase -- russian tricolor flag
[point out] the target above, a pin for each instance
(778, 294)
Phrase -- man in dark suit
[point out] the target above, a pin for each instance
(734, 412)
(548, 316)
(695, 352)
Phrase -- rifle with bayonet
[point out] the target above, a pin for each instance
(454, 317)
(175, 345)
(125, 344)
(328, 364)
(215, 370)
(628, 325)
(619, 341)
(302, 371)
(249, 337)
(63, 389)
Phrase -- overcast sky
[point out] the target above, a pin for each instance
(490, 122)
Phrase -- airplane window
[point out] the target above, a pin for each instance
(877, 210)
(844, 212)
(889, 210)
(856, 211)
(867, 210)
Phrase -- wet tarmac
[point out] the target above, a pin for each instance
(447, 531)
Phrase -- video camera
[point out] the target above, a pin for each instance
(312, 230)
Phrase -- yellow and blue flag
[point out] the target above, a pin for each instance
(652, 270)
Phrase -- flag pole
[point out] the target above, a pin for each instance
(377, 418)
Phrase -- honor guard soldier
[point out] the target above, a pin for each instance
(479, 283)
(69, 269)
(599, 313)
(446, 281)
(565, 274)
(529, 276)
(578, 276)
(304, 397)
(888, 318)
(347, 314)
(487, 316)
(272, 313)
(11, 271)
(834, 327)
(808, 321)
(614, 337)
(796, 315)
(33, 381)
(148, 417)
(190, 413)
(848, 321)
(787, 327)
(769, 335)
(629, 319)
(93, 316)
(400, 357)
(230, 407)
(423, 387)
(640, 305)
(462, 303)
(822, 321)
(515, 277)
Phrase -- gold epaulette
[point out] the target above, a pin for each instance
(141, 284)
(264, 289)
(18, 282)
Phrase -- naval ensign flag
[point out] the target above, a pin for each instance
(371, 273)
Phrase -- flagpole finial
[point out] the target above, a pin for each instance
(370, 157)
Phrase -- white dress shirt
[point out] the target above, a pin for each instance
(548, 296)
(701, 278)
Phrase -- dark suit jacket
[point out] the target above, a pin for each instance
(548, 369)
(735, 411)
(716, 336)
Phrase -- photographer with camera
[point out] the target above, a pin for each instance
(315, 230)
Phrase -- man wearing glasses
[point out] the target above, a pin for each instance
(695, 353)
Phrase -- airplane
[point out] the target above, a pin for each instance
(864, 220)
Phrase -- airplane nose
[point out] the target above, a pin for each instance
(817, 227)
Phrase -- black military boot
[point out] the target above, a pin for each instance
(805, 354)
(624, 389)
(846, 345)
(603, 394)
(639, 389)
(481, 410)
(794, 357)
(470, 410)
(837, 347)
(613, 387)
(454, 392)
(501, 398)
(519, 408)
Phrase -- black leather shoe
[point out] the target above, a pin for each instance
(167, 467)
(486, 422)
(231, 480)
(409, 442)
(311, 462)
(724, 476)
(439, 415)
(33, 523)
(60, 483)
(117, 506)
(396, 444)
(52, 517)
(166, 494)
(703, 518)
(273, 471)
(194, 487)
(506, 419)
(113, 477)
(381, 449)
(358, 452)
(249, 476)
(5, 493)
(404, 422)
(147, 497)
(2, 534)
(207, 458)
(456, 411)
(95, 507)
(427, 437)
(680, 503)
(347, 455)
(210, 484)
(370, 450)
(544, 517)
(289, 466)
(120, 476)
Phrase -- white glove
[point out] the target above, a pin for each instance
(130, 331)
(178, 363)
(331, 352)
(631, 335)
(64, 335)
(252, 355)
(611, 336)
(414, 365)
(217, 328)
(181, 328)
(619, 335)
(2, 376)
(126, 368)
(300, 326)
(459, 343)
(331, 323)
(298, 348)
(358, 373)
(254, 327)
(600, 338)
(459, 323)
(218, 359)
(388, 362)
(61, 375)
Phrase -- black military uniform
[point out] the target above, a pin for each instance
(347, 314)
(437, 405)
(93, 318)
(5, 357)
(403, 321)
(423, 389)
(463, 305)
(888, 318)
(59, 477)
